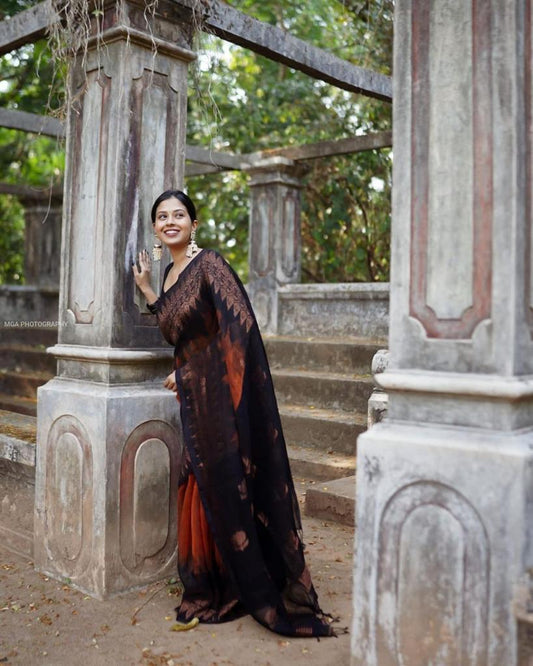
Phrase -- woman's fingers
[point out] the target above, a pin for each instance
(144, 260)
(170, 383)
(142, 270)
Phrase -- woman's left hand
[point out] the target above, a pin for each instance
(170, 383)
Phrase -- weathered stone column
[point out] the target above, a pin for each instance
(42, 248)
(445, 484)
(108, 446)
(275, 242)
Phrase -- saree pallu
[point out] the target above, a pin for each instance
(240, 546)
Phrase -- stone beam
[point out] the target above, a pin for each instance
(207, 162)
(31, 122)
(213, 158)
(354, 144)
(274, 43)
(238, 28)
(192, 170)
(26, 27)
(29, 192)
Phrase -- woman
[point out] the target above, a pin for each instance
(239, 533)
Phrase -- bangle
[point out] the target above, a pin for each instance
(153, 307)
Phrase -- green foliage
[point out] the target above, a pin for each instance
(27, 76)
(242, 102)
(346, 219)
(11, 241)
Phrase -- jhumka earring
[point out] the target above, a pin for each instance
(157, 250)
(192, 248)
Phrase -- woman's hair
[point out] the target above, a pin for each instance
(175, 194)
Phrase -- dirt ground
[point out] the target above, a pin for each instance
(45, 622)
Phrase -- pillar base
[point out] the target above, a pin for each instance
(106, 484)
(444, 522)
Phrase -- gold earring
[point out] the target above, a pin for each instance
(192, 248)
(157, 250)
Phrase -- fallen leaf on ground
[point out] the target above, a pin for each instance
(185, 626)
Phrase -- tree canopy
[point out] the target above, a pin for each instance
(241, 102)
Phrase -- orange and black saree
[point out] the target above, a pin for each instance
(239, 544)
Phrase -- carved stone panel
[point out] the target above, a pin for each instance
(148, 498)
(69, 493)
(85, 228)
(433, 579)
(451, 167)
(151, 491)
(290, 236)
(262, 223)
(528, 164)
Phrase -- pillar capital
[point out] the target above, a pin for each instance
(276, 170)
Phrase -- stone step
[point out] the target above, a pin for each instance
(18, 404)
(23, 335)
(332, 500)
(27, 358)
(326, 430)
(323, 390)
(311, 464)
(17, 481)
(23, 384)
(340, 355)
(19, 426)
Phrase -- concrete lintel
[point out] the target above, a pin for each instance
(207, 161)
(276, 44)
(354, 144)
(26, 26)
(451, 383)
(273, 162)
(31, 122)
(238, 28)
(213, 158)
(30, 193)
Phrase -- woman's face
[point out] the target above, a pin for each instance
(173, 224)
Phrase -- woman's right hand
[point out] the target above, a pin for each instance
(143, 276)
(170, 383)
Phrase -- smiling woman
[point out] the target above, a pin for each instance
(240, 545)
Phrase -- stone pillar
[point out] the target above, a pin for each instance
(42, 248)
(108, 443)
(445, 484)
(275, 242)
(378, 403)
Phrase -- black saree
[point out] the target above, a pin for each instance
(239, 535)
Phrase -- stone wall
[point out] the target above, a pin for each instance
(334, 310)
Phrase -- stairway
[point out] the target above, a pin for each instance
(323, 386)
(24, 365)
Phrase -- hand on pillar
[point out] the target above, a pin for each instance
(170, 383)
(143, 276)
